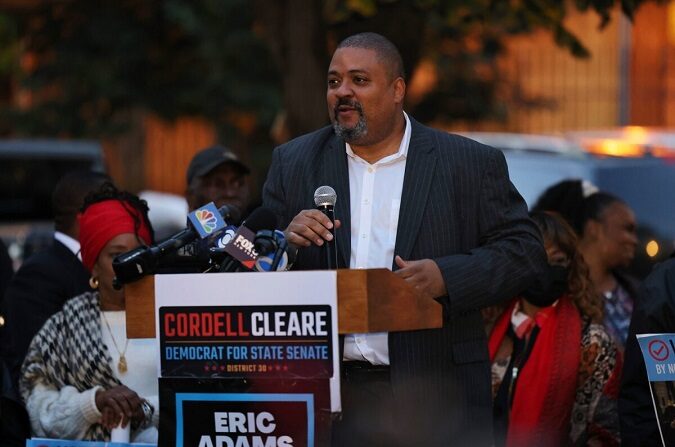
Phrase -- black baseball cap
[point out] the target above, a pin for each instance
(208, 159)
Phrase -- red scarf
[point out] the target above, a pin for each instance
(105, 220)
(546, 387)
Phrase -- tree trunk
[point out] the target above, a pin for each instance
(124, 154)
(295, 31)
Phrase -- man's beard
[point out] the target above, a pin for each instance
(352, 134)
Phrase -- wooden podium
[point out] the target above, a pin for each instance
(371, 300)
(276, 376)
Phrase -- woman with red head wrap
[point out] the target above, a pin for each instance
(81, 376)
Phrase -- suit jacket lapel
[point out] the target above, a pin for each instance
(419, 171)
(336, 174)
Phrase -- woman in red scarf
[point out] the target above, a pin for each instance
(81, 376)
(554, 367)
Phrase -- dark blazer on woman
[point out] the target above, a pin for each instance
(459, 208)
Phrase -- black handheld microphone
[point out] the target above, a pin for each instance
(324, 199)
(142, 261)
(199, 256)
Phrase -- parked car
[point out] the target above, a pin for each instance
(167, 212)
(30, 171)
(629, 141)
(644, 179)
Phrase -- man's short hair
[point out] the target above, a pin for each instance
(69, 193)
(385, 50)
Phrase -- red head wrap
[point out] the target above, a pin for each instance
(103, 221)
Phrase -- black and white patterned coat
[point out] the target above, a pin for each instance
(67, 362)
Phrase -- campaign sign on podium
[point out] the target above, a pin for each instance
(246, 359)
(251, 341)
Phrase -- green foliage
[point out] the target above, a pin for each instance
(463, 38)
(96, 61)
(9, 46)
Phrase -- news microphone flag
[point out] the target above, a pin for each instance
(242, 247)
(226, 236)
(207, 220)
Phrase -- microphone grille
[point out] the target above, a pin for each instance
(325, 195)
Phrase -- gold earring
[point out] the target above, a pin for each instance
(93, 283)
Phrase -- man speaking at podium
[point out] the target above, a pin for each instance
(436, 208)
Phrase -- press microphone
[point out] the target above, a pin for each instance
(324, 199)
(241, 248)
(274, 252)
(217, 254)
(226, 236)
(197, 256)
(206, 221)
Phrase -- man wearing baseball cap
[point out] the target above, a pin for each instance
(217, 175)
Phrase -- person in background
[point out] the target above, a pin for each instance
(607, 240)
(215, 174)
(46, 280)
(43, 283)
(10, 426)
(654, 314)
(555, 370)
(82, 376)
(6, 273)
(6, 269)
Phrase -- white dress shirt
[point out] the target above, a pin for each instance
(375, 196)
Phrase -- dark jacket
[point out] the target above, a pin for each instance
(6, 269)
(459, 208)
(654, 313)
(43, 283)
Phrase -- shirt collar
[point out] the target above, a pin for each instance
(523, 324)
(72, 244)
(402, 149)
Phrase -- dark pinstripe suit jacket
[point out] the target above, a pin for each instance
(459, 208)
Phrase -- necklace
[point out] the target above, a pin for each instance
(122, 362)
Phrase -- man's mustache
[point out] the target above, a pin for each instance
(349, 103)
